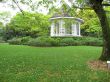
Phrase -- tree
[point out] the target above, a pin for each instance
(29, 24)
(91, 26)
(97, 6)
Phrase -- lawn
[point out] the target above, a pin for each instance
(49, 64)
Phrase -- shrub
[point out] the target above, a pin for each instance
(71, 41)
(1, 40)
(77, 41)
(16, 41)
(93, 41)
(48, 41)
(43, 41)
(19, 40)
(24, 40)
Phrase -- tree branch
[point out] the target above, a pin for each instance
(105, 4)
(18, 6)
(81, 7)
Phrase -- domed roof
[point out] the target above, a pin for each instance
(65, 16)
(60, 15)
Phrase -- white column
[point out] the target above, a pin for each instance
(60, 27)
(52, 29)
(79, 29)
(74, 29)
(72, 26)
(56, 34)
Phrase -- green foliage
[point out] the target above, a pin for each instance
(107, 9)
(1, 40)
(16, 41)
(43, 41)
(1, 25)
(19, 40)
(1, 32)
(71, 42)
(76, 41)
(29, 24)
(48, 41)
(1, 29)
(91, 26)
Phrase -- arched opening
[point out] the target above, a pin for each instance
(70, 27)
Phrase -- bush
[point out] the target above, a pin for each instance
(43, 41)
(19, 40)
(48, 41)
(77, 41)
(71, 41)
(16, 41)
(1, 40)
(24, 40)
(93, 41)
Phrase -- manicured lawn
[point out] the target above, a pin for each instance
(54, 64)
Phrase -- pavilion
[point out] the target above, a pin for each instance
(65, 26)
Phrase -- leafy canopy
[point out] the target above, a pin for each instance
(30, 23)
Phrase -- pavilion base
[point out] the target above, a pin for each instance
(67, 36)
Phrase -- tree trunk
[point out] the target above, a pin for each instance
(98, 8)
(106, 35)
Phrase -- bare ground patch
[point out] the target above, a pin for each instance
(98, 65)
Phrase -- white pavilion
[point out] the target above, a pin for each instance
(60, 29)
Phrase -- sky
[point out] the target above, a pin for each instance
(6, 7)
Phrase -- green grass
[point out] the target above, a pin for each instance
(52, 64)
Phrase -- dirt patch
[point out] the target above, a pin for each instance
(98, 65)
